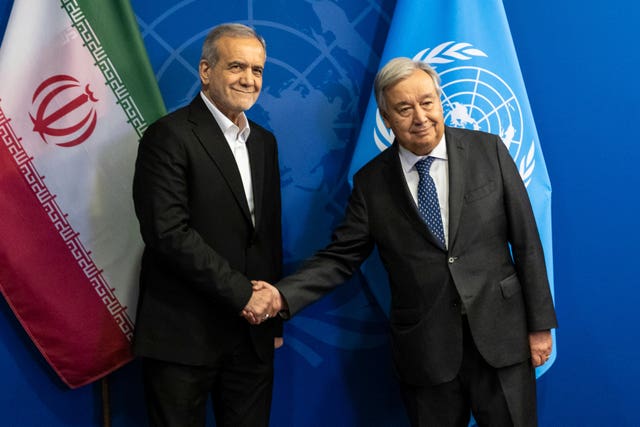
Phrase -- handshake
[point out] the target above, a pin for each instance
(265, 302)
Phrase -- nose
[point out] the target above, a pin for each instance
(419, 116)
(247, 78)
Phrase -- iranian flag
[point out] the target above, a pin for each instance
(76, 93)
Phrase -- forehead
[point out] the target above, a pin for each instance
(245, 49)
(418, 84)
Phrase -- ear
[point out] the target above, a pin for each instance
(203, 70)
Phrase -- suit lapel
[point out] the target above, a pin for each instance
(210, 136)
(256, 160)
(400, 192)
(457, 160)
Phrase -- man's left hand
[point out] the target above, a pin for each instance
(540, 343)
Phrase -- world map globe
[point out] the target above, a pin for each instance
(317, 81)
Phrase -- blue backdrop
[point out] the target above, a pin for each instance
(578, 64)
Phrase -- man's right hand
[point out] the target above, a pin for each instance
(265, 303)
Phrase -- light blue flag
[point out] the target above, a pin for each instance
(469, 44)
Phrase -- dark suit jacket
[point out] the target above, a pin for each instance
(505, 296)
(201, 248)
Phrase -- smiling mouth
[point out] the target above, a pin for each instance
(422, 131)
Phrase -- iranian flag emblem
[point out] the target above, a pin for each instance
(76, 93)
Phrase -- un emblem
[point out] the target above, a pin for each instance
(474, 98)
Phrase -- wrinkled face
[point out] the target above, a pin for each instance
(414, 113)
(234, 82)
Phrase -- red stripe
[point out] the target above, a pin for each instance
(46, 288)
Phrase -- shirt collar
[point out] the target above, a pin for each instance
(409, 159)
(230, 130)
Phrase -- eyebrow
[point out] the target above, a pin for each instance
(424, 97)
(401, 104)
(245, 65)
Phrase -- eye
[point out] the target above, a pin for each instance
(257, 72)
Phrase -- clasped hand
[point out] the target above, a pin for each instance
(265, 303)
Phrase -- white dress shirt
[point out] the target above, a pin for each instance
(439, 172)
(237, 140)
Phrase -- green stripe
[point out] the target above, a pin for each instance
(119, 43)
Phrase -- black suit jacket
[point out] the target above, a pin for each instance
(201, 247)
(505, 296)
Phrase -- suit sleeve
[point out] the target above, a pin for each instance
(526, 246)
(350, 245)
(160, 193)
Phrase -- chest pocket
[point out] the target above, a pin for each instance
(480, 192)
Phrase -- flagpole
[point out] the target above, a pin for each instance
(106, 404)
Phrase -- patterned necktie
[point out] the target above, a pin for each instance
(428, 200)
